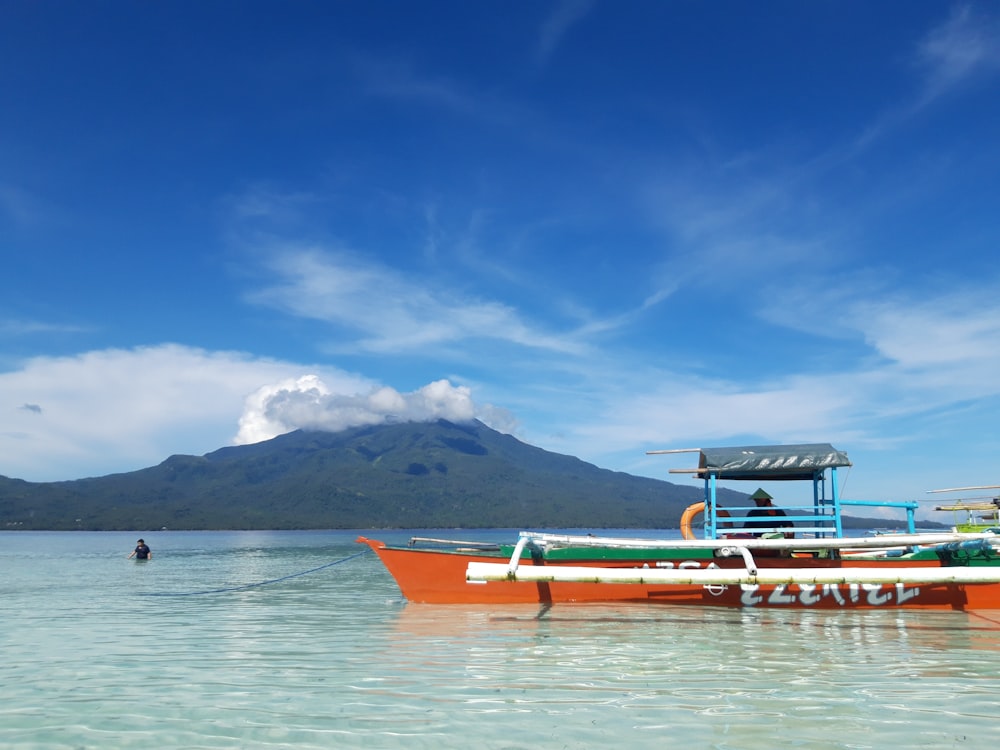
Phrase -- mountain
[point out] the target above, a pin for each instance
(408, 475)
(411, 475)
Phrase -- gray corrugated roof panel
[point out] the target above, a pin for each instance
(770, 462)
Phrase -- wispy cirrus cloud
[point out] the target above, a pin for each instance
(399, 79)
(264, 202)
(772, 209)
(965, 46)
(952, 338)
(385, 311)
(948, 330)
(22, 327)
(557, 24)
(19, 206)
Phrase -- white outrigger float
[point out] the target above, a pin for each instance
(810, 564)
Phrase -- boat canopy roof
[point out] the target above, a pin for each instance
(769, 462)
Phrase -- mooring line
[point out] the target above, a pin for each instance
(981, 616)
(258, 583)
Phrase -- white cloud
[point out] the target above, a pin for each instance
(958, 332)
(307, 403)
(944, 341)
(119, 410)
(389, 311)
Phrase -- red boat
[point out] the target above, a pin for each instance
(799, 558)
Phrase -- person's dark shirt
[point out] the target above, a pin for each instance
(142, 552)
(767, 514)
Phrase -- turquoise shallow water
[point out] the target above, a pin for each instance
(101, 652)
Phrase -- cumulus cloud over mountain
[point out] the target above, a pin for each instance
(307, 403)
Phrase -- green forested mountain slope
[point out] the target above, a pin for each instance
(408, 475)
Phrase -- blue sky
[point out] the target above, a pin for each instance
(603, 227)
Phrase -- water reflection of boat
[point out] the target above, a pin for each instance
(455, 623)
(817, 568)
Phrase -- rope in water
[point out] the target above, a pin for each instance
(258, 583)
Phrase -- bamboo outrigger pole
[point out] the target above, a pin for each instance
(966, 489)
(481, 572)
(882, 541)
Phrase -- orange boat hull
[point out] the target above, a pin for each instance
(437, 576)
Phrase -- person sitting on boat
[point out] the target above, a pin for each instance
(770, 514)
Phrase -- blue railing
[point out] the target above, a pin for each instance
(824, 514)
(910, 506)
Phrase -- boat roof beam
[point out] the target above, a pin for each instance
(768, 462)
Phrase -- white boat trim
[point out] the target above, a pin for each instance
(479, 572)
(880, 542)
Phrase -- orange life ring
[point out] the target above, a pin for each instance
(693, 510)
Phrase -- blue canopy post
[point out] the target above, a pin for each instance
(710, 512)
(820, 500)
(711, 506)
(838, 524)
